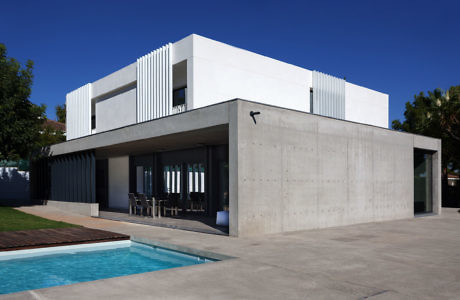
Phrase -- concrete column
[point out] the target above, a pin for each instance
(233, 168)
(437, 183)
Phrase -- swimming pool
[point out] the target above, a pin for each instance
(46, 267)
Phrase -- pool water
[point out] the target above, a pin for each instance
(73, 264)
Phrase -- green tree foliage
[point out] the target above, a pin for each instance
(60, 113)
(437, 115)
(49, 136)
(20, 119)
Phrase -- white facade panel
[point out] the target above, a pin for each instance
(219, 72)
(114, 81)
(328, 95)
(117, 110)
(78, 112)
(366, 106)
(154, 84)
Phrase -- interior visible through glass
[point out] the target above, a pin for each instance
(423, 182)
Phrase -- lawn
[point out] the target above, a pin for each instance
(12, 219)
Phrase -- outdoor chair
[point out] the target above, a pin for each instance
(158, 204)
(194, 200)
(172, 204)
(201, 200)
(145, 205)
(133, 206)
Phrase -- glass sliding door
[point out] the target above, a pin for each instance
(148, 181)
(144, 180)
(423, 182)
(172, 179)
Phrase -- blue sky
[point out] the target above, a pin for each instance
(396, 47)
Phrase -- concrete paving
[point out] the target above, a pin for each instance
(187, 222)
(417, 258)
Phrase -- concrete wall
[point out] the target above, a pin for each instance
(86, 209)
(116, 110)
(366, 106)
(212, 116)
(299, 171)
(118, 182)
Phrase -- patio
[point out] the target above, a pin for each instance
(406, 259)
(195, 223)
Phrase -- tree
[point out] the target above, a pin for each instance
(49, 136)
(20, 119)
(437, 115)
(61, 113)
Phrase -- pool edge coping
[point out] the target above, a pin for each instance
(27, 253)
(183, 249)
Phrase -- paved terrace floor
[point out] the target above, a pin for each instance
(190, 222)
(408, 259)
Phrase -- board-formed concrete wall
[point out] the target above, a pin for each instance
(300, 171)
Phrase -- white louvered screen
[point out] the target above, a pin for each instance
(154, 84)
(328, 95)
(78, 112)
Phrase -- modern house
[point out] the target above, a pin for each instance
(304, 150)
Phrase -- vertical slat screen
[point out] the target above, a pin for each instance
(78, 112)
(73, 178)
(154, 84)
(328, 95)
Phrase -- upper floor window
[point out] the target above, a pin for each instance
(179, 96)
(93, 114)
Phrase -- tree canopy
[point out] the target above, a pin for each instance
(20, 119)
(437, 115)
(61, 113)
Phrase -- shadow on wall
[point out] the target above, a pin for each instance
(14, 187)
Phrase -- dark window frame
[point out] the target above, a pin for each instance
(184, 97)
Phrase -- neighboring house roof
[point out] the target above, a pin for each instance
(55, 125)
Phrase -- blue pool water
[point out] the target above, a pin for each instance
(72, 266)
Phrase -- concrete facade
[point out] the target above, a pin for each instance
(85, 209)
(316, 172)
(288, 171)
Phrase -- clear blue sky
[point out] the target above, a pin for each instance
(396, 47)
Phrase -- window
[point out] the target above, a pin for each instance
(172, 179)
(423, 181)
(196, 178)
(93, 114)
(179, 96)
(311, 100)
